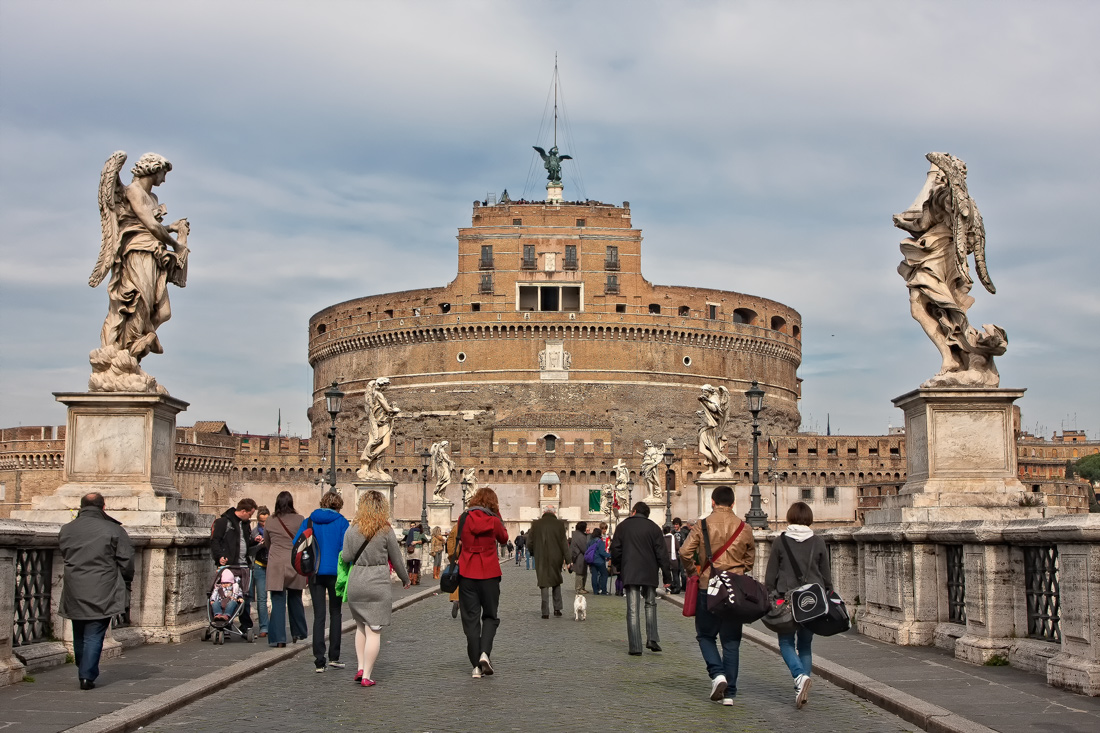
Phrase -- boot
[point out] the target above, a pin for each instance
(437, 572)
(415, 579)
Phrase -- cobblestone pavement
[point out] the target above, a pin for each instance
(551, 675)
(53, 701)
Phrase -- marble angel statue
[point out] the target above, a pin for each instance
(442, 466)
(469, 484)
(141, 258)
(380, 414)
(946, 229)
(651, 458)
(712, 432)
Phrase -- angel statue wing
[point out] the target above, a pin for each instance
(434, 451)
(565, 157)
(541, 152)
(967, 229)
(110, 195)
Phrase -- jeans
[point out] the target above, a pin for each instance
(707, 628)
(799, 663)
(546, 593)
(259, 594)
(599, 578)
(228, 609)
(635, 594)
(88, 645)
(527, 559)
(321, 585)
(478, 601)
(281, 602)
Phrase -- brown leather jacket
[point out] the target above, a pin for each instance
(721, 524)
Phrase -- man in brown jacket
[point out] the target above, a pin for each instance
(738, 556)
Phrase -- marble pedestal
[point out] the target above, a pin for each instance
(122, 445)
(961, 452)
(439, 515)
(657, 512)
(384, 486)
(553, 193)
(706, 483)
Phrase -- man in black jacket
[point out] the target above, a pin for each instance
(230, 541)
(638, 550)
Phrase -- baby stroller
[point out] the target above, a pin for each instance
(220, 626)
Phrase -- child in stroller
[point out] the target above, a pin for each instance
(231, 583)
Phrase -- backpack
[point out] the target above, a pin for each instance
(304, 553)
(590, 553)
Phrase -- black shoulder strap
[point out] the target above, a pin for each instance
(458, 540)
(794, 562)
(706, 541)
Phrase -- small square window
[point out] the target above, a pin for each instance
(581, 222)
(807, 494)
(792, 451)
(712, 311)
(620, 307)
(895, 451)
(852, 451)
(830, 492)
(873, 451)
(830, 451)
(475, 307)
(517, 222)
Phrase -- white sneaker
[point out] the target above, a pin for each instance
(484, 664)
(477, 673)
(718, 688)
(802, 687)
(727, 701)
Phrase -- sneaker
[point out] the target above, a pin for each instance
(727, 701)
(802, 687)
(336, 665)
(485, 665)
(718, 688)
(477, 673)
(454, 609)
(319, 670)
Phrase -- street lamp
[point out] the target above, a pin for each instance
(668, 456)
(629, 495)
(333, 396)
(755, 515)
(425, 457)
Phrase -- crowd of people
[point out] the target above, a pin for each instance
(356, 562)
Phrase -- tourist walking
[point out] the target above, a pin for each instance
(99, 566)
(680, 531)
(578, 543)
(329, 526)
(672, 543)
(599, 554)
(521, 544)
(370, 548)
(474, 541)
(435, 549)
(258, 592)
(546, 542)
(284, 585)
(734, 550)
(231, 544)
(414, 539)
(639, 551)
(799, 547)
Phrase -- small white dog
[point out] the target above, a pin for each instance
(580, 607)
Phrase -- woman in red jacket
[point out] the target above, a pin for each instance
(479, 576)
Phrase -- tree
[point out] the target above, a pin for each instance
(1089, 467)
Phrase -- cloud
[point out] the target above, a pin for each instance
(327, 151)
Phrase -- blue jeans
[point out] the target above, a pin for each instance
(709, 627)
(281, 601)
(227, 609)
(88, 645)
(801, 662)
(259, 594)
(599, 578)
(527, 558)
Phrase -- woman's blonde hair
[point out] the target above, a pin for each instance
(372, 514)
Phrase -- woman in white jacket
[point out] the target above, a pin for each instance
(809, 551)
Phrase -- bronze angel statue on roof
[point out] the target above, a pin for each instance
(141, 257)
(552, 162)
(946, 229)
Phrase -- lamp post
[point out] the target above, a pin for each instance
(775, 479)
(629, 495)
(425, 457)
(668, 456)
(755, 516)
(333, 396)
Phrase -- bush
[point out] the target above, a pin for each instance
(997, 660)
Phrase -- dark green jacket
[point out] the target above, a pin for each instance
(546, 541)
(99, 562)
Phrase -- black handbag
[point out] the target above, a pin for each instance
(448, 579)
(834, 621)
(779, 617)
(813, 606)
(733, 595)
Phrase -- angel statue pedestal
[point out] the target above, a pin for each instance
(706, 483)
(123, 446)
(384, 486)
(439, 515)
(960, 450)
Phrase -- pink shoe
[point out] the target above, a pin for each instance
(359, 676)
(368, 683)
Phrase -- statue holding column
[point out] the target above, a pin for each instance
(652, 456)
(946, 229)
(380, 414)
(712, 432)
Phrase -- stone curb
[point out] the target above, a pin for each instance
(929, 717)
(157, 706)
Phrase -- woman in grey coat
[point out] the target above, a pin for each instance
(370, 547)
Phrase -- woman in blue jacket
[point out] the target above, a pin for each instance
(598, 568)
(328, 534)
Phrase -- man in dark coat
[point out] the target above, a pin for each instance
(578, 544)
(99, 566)
(638, 550)
(231, 542)
(546, 542)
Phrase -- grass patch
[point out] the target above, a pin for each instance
(28, 678)
(997, 660)
(70, 659)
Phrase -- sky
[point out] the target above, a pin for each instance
(325, 151)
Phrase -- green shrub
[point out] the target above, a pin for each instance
(997, 660)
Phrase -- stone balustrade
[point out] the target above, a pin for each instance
(1022, 591)
(167, 601)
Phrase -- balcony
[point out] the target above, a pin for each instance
(528, 263)
(486, 284)
(571, 264)
(485, 264)
(611, 264)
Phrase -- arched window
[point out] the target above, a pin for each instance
(778, 323)
(744, 315)
(551, 442)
